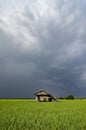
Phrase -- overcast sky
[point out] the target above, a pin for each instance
(42, 46)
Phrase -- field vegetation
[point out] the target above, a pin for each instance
(32, 115)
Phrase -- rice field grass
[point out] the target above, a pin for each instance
(32, 115)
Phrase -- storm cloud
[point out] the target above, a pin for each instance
(42, 46)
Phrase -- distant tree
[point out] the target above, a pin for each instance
(70, 97)
(61, 98)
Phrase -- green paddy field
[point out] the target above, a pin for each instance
(32, 115)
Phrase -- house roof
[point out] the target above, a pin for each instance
(43, 93)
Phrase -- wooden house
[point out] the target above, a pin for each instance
(43, 96)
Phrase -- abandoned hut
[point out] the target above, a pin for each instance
(43, 96)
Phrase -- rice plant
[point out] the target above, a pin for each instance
(32, 115)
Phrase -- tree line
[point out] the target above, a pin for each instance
(67, 97)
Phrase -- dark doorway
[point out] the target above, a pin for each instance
(50, 99)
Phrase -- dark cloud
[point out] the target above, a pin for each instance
(42, 47)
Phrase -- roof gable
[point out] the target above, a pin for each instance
(42, 92)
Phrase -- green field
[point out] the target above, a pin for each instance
(32, 115)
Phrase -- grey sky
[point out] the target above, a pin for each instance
(42, 46)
